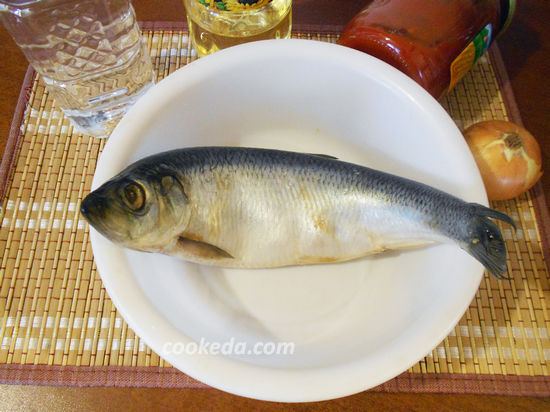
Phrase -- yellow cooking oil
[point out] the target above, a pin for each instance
(216, 25)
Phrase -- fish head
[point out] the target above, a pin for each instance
(139, 211)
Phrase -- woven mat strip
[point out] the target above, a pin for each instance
(155, 377)
(55, 314)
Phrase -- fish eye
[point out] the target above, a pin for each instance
(134, 196)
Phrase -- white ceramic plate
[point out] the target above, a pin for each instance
(353, 325)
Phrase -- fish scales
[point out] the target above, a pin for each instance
(321, 208)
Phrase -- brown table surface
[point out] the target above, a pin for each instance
(526, 51)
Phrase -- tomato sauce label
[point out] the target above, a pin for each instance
(233, 5)
(473, 51)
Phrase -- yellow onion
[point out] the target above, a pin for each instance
(507, 155)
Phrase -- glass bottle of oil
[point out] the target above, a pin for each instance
(215, 25)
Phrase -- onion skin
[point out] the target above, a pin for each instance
(507, 155)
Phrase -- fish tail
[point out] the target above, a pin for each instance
(485, 241)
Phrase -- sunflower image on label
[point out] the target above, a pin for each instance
(216, 25)
(234, 5)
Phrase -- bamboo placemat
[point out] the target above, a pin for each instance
(58, 326)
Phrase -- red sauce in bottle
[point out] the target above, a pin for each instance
(435, 42)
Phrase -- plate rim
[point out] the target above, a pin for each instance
(334, 381)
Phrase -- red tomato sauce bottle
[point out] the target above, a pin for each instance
(435, 42)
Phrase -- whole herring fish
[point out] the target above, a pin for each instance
(259, 208)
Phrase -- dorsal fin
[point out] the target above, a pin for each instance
(323, 155)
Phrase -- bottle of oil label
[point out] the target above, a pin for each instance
(215, 25)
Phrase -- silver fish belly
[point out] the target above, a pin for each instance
(257, 208)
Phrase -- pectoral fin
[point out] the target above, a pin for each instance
(202, 250)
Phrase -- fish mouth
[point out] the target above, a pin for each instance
(97, 209)
(92, 207)
(94, 210)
